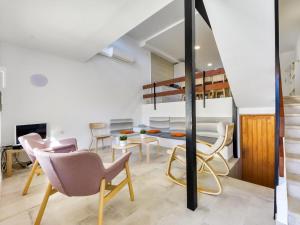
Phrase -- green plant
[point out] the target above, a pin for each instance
(143, 132)
(123, 138)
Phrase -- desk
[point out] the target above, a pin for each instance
(9, 159)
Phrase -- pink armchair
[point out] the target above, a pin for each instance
(82, 173)
(33, 141)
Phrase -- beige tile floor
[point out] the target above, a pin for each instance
(158, 201)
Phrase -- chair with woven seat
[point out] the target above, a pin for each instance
(82, 173)
(94, 128)
(33, 141)
(205, 154)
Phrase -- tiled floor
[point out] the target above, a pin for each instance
(158, 201)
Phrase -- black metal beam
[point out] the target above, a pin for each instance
(154, 92)
(235, 121)
(202, 11)
(203, 80)
(190, 104)
(277, 103)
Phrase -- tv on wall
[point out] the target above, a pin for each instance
(40, 128)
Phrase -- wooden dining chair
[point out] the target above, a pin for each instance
(95, 128)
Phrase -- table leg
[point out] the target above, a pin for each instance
(158, 148)
(113, 154)
(8, 164)
(141, 153)
(148, 153)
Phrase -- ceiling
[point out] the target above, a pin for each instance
(289, 24)
(163, 34)
(73, 28)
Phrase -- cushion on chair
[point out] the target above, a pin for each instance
(153, 131)
(177, 134)
(126, 132)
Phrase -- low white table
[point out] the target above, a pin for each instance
(147, 141)
(125, 149)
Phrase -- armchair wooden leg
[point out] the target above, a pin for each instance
(29, 179)
(49, 191)
(131, 193)
(101, 202)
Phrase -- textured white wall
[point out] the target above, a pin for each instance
(244, 33)
(77, 93)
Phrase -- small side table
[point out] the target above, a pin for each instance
(9, 159)
(147, 141)
(125, 149)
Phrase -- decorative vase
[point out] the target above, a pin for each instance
(123, 143)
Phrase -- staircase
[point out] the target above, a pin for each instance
(292, 148)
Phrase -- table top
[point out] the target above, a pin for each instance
(145, 140)
(127, 146)
(14, 150)
(210, 140)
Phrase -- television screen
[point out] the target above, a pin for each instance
(40, 128)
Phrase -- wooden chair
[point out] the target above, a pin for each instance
(204, 159)
(94, 136)
(82, 173)
(33, 142)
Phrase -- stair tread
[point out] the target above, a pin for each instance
(292, 126)
(295, 178)
(292, 104)
(292, 114)
(294, 206)
(292, 139)
(293, 156)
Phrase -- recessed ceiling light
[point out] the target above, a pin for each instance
(197, 47)
(209, 64)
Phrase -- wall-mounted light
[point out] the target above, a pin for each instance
(38, 80)
(209, 64)
(197, 47)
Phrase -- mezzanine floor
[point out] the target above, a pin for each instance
(158, 201)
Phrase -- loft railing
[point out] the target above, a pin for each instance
(208, 85)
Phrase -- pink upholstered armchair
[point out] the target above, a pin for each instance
(82, 173)
(33, 141)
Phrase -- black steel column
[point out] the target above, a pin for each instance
(277, 103)
(190, 104)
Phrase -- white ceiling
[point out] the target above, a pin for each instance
(163, 34)
(73, 28)
(289, 24)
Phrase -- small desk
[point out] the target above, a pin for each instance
(125, 149)
(147, 141)
(9, 159)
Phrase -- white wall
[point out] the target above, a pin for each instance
(219, 107)
(77, 93)
(297, 68)
(244, 33)
(286, 60)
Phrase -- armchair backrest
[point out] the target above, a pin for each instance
(30, 142)
(74, 174)
(225, 132)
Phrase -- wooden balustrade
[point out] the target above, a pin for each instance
(199, 88)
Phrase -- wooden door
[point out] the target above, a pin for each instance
(257, 149)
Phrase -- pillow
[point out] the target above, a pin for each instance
(126, 132)
(177, 134)
(153, 131)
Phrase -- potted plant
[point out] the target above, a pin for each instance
(123, 140)
(143, 133)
